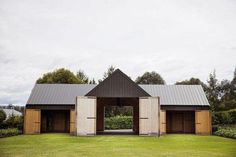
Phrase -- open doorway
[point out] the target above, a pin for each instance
(57, 121)
(118, 119)
(117, 116)
(180, 122)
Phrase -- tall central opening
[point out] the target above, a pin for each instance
(118, 119)
(117, 116)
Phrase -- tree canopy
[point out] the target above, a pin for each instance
(192, 81)
(60, 76)
(82, 76)
(150, 78)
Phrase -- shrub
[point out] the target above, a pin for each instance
(233, 115)
(9, 132)
(224, 117)
(2, 116)
(15, 122)
(229, 132)
(119, 122)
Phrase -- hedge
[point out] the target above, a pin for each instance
(226, 131)
(13, 122)
(224, 117)
(9, 132)
(118, 122)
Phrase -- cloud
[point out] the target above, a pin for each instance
(177, 39)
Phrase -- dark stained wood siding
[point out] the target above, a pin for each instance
(117, 85)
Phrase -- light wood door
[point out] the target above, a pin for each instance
(144, 113)
(32, 121)
(149, 113)
(86, 116)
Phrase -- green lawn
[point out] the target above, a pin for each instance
(63, 145)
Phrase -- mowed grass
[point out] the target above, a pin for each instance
(64, 145)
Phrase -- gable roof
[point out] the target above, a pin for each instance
(63, 94)
(117, 84)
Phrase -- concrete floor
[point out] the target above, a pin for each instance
(117, 132)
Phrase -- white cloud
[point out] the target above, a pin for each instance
(177, 39)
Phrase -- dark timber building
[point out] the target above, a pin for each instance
(79, 108)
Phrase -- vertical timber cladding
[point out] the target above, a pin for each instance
(203, 122)
(86, 116)
(72, 122)
(162, 122)
(149, 116)
(32, 119)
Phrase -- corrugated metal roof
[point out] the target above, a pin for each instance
(66, 93)
(10, 112)
(58, 93)
(178, 94)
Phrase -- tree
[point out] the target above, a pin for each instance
(2, 116)
(192, 81)
(82, 76)
(15, 122)
(150, 78)
(107, 73)
(234, 78)
(228, 94)
(59, 76)
(92, 81)
(213, 91)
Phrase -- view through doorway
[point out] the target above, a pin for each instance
(118, 120)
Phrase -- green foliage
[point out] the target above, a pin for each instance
(119, 122)
(60, 76)
(224, 117)
(192, 81)
(9, 132)
(107, 73)
(213, 91)
(233, 115)
(2, 116)
(226, 131)
(234, 78)
(14, 122)
(150, 78)
(92, 81)
(111, 111)
(82, 76)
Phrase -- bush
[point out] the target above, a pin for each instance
(224, 117)
(119, 122)
(2, 116)
(227, 131)
(9, 132)
(233, 115)
(15, 122)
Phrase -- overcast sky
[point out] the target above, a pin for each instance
(178, 39)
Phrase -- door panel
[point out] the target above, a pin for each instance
(177, 122)
(32, 121)
(144, 109)
(149, 110)
(86, 116)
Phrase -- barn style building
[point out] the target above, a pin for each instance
(78, 109)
